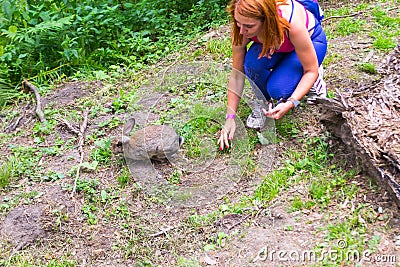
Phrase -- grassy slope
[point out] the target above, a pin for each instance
(315, 196)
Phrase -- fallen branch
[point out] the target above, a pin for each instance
(27, 86)
(81, 135)
(163, 231)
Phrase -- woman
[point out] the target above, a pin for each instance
(282, 63)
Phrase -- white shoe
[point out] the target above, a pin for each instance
(257, 118)
(318, 89)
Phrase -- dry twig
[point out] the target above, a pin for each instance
(81, 142)
(163, 231)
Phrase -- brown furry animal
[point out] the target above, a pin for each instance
(155, 142)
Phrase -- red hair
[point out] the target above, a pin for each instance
(265, 11)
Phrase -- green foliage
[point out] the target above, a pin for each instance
(54, 38)
(24, 162)
(221, 48)
(124, 177)
(367, 67)
(7, 91)
(287, 128)
(5, 174)
(102, 153)
(386, 31)
(349, 26)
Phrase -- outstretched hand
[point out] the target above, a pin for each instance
(279, 111)
(227, 133)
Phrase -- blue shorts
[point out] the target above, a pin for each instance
(277, 77)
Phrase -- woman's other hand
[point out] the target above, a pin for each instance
(279, 111)
(227, 133)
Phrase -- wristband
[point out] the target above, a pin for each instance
(230, 116)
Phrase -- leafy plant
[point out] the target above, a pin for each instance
(367, 67)
(51, 39)
(102, 153)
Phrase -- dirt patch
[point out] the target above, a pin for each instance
(68, 93)
(23, 225)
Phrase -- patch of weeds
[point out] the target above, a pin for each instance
(348, 26)
(88, 187)
(95, 199)
(88, 211)
(220, 47)
(27, 198)
(134, 236)
(221, 239)
(347, 238)
(289, 228)
(286, 127)
(199, 221)
(332, 58)
(28, 261)
(98, 110)
(25, 162)
(217, 241)
(297, 204)
(382, 41)
(61, 263)
(127, 99)
(330, 94)
(246, 163)
(124, 177)
(5, 173)
(61, 216)
(84, 166)
(52, 176)
(342, 11)
(8, 203)
(44, 128)
(102, 153)
(110, 123)
(120, 211)
(51, 151)
(199, 134)
(271, 185)
(5, 138)
(387, 30)
(183, 262)
(175, 177)
(319, 191)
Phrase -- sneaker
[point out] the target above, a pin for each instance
(318, 89)
(257, 118)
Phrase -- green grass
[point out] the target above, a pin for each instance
(220, 47)
(367, 68)
(5, 173)
(384, 29)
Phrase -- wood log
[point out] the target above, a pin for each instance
(367, 119)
